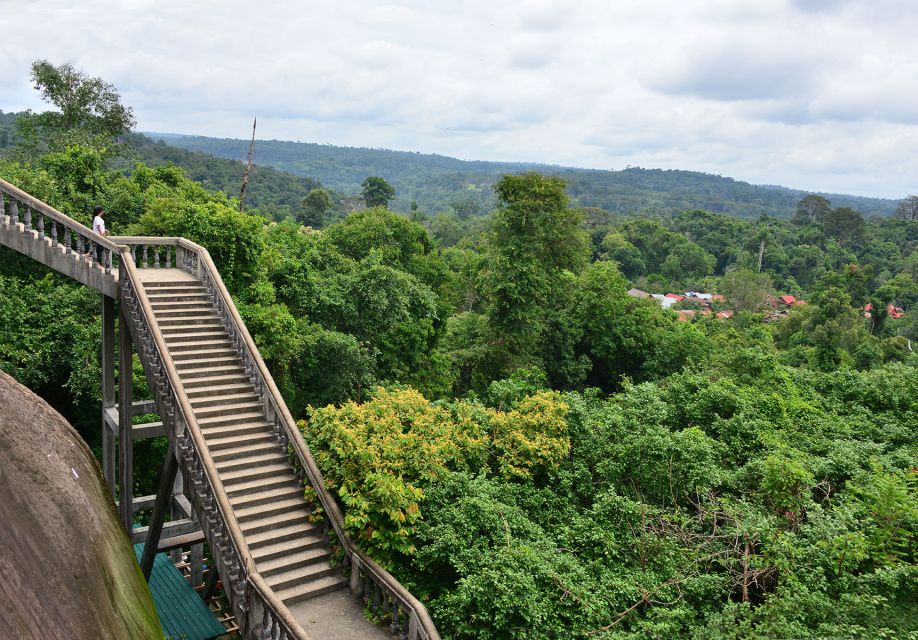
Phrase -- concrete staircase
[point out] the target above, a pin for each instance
(289, 551)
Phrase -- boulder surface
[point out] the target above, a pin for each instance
(67, 568)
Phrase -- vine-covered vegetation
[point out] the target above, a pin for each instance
(532, 450)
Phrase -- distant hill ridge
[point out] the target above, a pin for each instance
(438, 182)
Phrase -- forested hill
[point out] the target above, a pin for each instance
(438, 183)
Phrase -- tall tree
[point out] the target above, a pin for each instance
(844, 224)
(745, 289)
(811, 209)
(313, 207)
(90, 110)
(535, 238)
(908, 208)
(376, 192)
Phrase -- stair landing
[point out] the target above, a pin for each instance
(334, 616)
(165, 275)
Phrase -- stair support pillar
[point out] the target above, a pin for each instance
(108, 389)
(163, 502)
(125, 421)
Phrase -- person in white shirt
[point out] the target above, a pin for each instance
(98, 225)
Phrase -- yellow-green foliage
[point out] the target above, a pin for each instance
(532, 436)
(378, 456)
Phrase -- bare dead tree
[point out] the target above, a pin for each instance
(248, 168)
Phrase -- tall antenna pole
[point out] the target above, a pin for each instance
(248, 168)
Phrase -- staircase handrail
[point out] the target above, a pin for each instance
(34, 204)
(128, 274)
(195, 258)
(421, 618)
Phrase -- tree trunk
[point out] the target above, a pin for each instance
(248, 168)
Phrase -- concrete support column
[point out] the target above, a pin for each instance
(108, 388)
(125, 421)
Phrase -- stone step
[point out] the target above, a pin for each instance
(269, 538)
(203, 402)
(300, 576)
(242, 476)
(178, 305)
(311, 590)
(176, 346)
(176, 295)
(255, 416)
(228, 408)
(275, 456)
(188, 320)
(253, 429)
(297, 557)
(274, 521)
(168, 314)
(276, 507)
(287, 492)
(259, 485)
(162, 288)
(179, 356)
(190, 282)
(194, 331)
(212, 372)
(231, 442)
(218, 391)
(176, 337)
(234, 379)
(278, 550)
(245, 451)
(201, 363)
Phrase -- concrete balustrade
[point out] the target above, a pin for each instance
(115, 266)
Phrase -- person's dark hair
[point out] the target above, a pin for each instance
(97, 210)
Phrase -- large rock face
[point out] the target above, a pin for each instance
(67, 569)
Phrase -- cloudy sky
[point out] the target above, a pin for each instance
(814, 94)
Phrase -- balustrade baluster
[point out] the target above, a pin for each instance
(144, 256)
(14, 211)
(41, 226)
(93, 250)
(156, 257)
(53, 233)
(393, 626)
(403, 631)
(108, 260)
(2, 207)
(28, 218)
(79, 245)
(67, 248)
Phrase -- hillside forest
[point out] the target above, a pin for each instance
(530, 449)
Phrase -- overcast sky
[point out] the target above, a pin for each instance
(814, 94)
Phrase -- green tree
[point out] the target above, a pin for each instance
(90, 110)
(376, 192)
(746, 290)
(686, 262)
(313, 208)
(845, 225)
(908, 209)
(628, 257)
(811, 209)
(535, 238)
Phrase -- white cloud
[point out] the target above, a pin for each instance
(816, 94)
